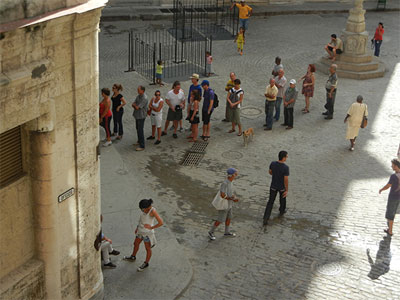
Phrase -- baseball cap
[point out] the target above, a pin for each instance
(205, 82)
(195, 76)
(231, 171)
(292, 81)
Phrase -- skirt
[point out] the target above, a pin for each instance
(234, 115)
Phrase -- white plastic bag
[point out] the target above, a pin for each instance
(220, 203)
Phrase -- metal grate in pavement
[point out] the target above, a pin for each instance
(194, 155)
(199, 147)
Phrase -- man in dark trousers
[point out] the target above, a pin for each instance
(279, 183)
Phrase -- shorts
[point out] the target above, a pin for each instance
(208, 69)
(156, 120)
(174, 115)
(223, 215)
(391, 207)
(158, 76)
(205, 117)
(144, 238)
(244, 23)
(234, 115)
(338, 51)
(196, 119)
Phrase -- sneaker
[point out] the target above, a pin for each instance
(265, 222)
(143, 266)
(114, 252)
(351, 149)
(139, 149)
(328, 118)
(283, 124)
(106, 144)
(157, 142)
(180, 129)
(282, 213)
(163, 133)
(325, 113)
(130, 258)
(231, 234)
(211, 235)
(151, 138)
(175, 136)
(110, 265)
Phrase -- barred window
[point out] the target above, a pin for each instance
(10, 156)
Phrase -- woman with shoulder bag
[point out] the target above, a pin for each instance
(357, 118)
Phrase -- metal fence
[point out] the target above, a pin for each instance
(180, 57)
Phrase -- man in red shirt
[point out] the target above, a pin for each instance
(378, 38)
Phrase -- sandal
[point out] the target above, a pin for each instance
(387, 231)
(305, 111)
(232, 130)
(239, 134)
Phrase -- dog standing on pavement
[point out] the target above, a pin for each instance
(247, 136)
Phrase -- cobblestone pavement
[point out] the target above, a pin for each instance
(319, 249)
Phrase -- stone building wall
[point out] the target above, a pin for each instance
(49, 82)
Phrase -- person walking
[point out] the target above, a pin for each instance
(140, 112)
(155, 111)
(354, 118)
(394, 196)
(235, 98)
(288, 102)
(230, 84)
(308, 86)
(240, 40)
(225, 215)
(331, 87)
(208, 108)
(245, 13)
(107, 249)
(279, 183)
(145, 232)
(194, 115)
(175, 100)
(118, 103)
(378, 38)
(105, 114)
(271, 91)
(280, 82)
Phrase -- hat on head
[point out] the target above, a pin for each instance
(231, 171)
(205, 82)
(292, 81)
(195, 76)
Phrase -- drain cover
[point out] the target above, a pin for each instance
(194, 155)
(328, 269)
(232, 155)
(251, 111)
(199, 147)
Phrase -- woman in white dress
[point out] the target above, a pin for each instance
(354, 118)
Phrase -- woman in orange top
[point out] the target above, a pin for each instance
(378, 38)
(105, 114)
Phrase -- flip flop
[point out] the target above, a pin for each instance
(387, 231)
(230, 131)
(239, 134)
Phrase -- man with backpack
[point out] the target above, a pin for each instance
(209, 103)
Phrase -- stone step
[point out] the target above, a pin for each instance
(351, 66)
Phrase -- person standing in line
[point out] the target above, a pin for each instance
(240, 40)
(194, 115)
(175, 100)
(155, 111)
(245, 13)
(195, 86)
(288, 102)
(308, 86)
(394, 196)
(378, 38)
(208, 108)
(226, 192)
(107, 249)
(279, 183)
(235, 98)
(209, 60)
(280, 82)
(277, 67)
(140, 112)
(355, 116)
(271, 91)
(228, 87)
(331, 87)
(145, 232)
(118, 103)
(105, 114)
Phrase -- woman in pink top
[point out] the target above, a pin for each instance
(378, 38)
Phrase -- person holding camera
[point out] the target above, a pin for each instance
(378, 37)
(175, 99)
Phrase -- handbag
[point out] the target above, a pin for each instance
(364, 121)
(220, 203)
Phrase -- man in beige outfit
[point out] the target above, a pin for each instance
(355, 116)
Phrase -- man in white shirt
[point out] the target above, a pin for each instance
(175, 99)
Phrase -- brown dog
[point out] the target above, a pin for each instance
(247, 136)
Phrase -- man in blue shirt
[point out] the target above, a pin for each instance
(279, 183)
(208, 107)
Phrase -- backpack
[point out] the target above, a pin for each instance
(216, 101)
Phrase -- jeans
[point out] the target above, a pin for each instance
(278, 108)
(118, 128)
(270, 204)
(105, 123)
(378, 45)
(288, 115)
(244, 23)
(269, 113)
(330, 102)
(140, 131)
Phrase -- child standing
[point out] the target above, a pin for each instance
(240, 40)
(159, 72)
(145, 231)
(209, 61)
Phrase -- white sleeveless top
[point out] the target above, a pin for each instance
(156, 105)
(147, 219)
